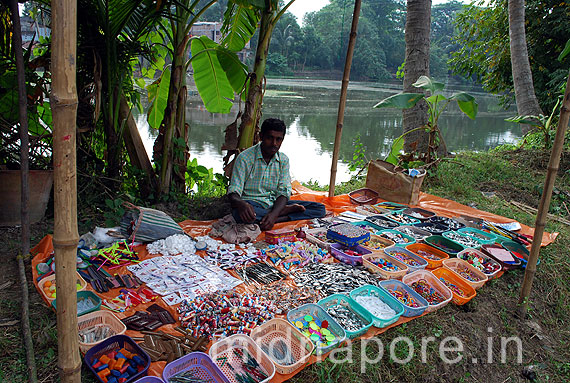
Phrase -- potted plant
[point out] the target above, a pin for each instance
(437, 103)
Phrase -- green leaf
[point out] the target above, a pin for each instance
(211, 81)
(467, 104)
(156, 110)
(400, 100)
(527, 120)
(397, 146)
(436, 97)
(251, 4)
(236, 71)
(239, 26)
(429, 84)
(140, 82)
(44, 111)
(565, 51)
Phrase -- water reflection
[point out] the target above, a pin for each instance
(309, 109)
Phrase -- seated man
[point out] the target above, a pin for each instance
(261, 185)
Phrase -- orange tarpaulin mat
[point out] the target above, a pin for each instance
(335, 204)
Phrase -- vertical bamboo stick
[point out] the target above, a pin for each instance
(553, 165)
(24, 170)
(343, 91)
(66, 237)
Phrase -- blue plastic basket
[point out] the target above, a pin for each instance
(351, 304)
(422, 262)
(393, 284)
(384, 297)
(368, 226)
(391, 207)
(399, 233)
(115, 343)
(362, 234)
(149, 379)
(382, 222)
(432, 227)
(449, 222)
(199, 363)
(317, 311)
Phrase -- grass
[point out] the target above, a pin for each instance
(545, 334)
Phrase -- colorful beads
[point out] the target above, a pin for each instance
(453, 287)
(467, 274)
(375, 244)
(396, 237)
(316, 330)
(408, 260)
(405, 298)
(428, 255)
(486, 265)
(384, 264)
(422, 287)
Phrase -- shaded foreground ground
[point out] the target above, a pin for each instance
(544, 335)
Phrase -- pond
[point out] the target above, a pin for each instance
(309, 109)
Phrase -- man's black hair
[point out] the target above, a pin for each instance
(272, 124)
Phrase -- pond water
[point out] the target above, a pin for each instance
(309, 109)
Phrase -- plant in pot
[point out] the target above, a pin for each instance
(39, 133)
(437, 103)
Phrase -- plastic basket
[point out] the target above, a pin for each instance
(456, 264)
(434, 283)
(368, 261)
(371, 290)
(464, 240)
(369, 210)
(422, 248)
(402, 219)
(482, 236)
(368, 226)
(338, 251)
(149, 379)
(343, 300)
(222, 353)
(449, 222)
(399, 252)
(400, 239)
(315, 235)
(391, 207)
(278, 329)
(382, 222)
(400, 286)
(51, 279)
(359, 235)
(505, 258)
(116, 343)
(99, 319)
(418, 213)
(317, 311)
(377, 243)
(519, 251)
(85, 294)
(432, 227)
(448, 246)
(450, 277)
(468, 254)
(414, 232)
(363, 196)
(199, 363)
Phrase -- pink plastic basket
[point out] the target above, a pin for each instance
(433, 282)
(455, 265)
(200, 364)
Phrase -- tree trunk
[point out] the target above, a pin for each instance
(111, 127)
(65, 235)
(183, 152)
(418, 21)
(527, 103)
(248, 130)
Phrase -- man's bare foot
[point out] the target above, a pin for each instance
(290, 209)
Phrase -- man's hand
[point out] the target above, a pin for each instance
(246, 212)
(268, 221)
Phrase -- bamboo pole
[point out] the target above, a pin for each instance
(25, 191)
(343, 91)
(66, 237)
(553, 165)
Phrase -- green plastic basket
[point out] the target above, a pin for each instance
(444, 244)
(86, 294)
(351, 304)
(480, 235)
(384, 296)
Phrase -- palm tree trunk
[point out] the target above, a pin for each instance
(417, 37)
(527, 103)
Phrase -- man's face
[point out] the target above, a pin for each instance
(271, 142)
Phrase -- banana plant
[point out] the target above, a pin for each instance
(437, 103)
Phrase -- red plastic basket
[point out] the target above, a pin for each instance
(363, 196)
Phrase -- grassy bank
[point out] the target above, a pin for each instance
(503, 176)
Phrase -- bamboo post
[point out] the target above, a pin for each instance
(24, 171)
(553, 165)
(66, 237)
(343, 91)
